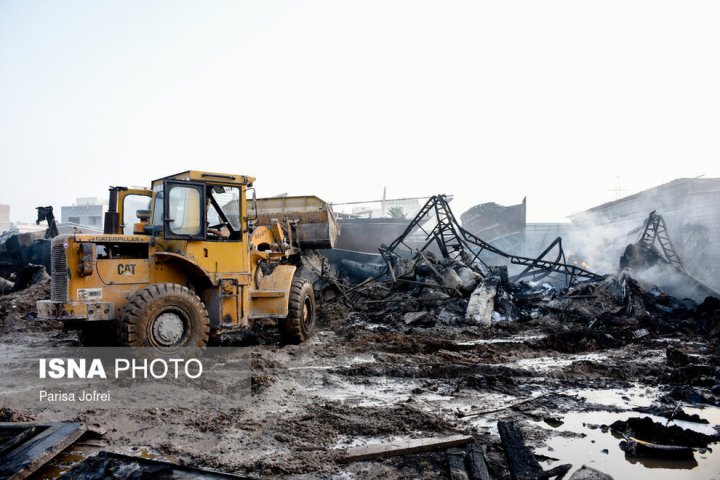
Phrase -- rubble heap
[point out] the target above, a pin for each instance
(448, 281)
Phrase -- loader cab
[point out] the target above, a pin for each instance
(199, 206)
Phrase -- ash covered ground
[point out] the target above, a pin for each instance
(571, 376)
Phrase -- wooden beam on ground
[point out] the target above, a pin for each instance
(35, 451)
(456, 464)
(523, 464)
(521, 461)
(476, 465)
(12, 437)
(105, 464)
(404, 447)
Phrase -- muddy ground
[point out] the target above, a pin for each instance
(365, 379)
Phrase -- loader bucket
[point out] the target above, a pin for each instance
(315, 225)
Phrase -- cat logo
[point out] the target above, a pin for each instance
(126, 269)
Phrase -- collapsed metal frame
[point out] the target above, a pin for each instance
(656, 231)
(46, 213)
(455, 242)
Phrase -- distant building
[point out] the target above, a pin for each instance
(506, 228)
(538, 236)
(691, 209)
(596, 238)
(501, 226)
(70, 228)
(23, 227)
(4, 218)
(391, 208)
(87, 211)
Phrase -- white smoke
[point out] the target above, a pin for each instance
(691, 210)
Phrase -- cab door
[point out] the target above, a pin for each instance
(184, 210)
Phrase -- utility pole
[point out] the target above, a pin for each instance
(617, 189)
(382, 206)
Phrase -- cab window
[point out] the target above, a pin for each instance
(159, 209)
(131, 204)
(228, 199)
(183, 216)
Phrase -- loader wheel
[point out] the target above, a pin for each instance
(164, 317)
(300, 322)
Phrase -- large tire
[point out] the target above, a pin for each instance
(300, 322)
(166, 318)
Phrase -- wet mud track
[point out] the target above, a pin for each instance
(359, 383)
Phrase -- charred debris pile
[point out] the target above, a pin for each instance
(446, 276)
(25, 257)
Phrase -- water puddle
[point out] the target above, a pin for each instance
(487, 341)
(544, 364)
(709, 413)
(380, 391)
(585, 444)
(347, 441)
(62, 463)
(356, 360)
(626, 398)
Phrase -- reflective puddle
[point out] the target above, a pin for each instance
(635, 396)
(586, 444)
(490, 341)
(543, 364)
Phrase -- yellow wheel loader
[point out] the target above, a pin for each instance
(195, 255)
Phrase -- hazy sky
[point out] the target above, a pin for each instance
(489, 101)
